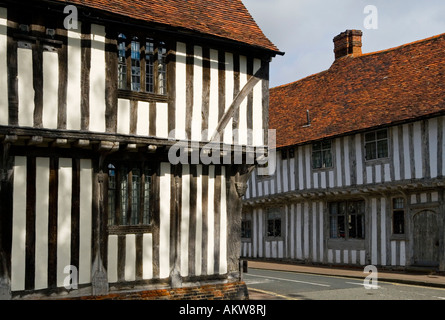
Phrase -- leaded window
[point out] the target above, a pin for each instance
(274, 222)
(135, 65)
(376, 144)
(398, 216)
(347, 220)
(246, 226)
(322, 155)
(142, 64)
(122, 62)
(129, 195)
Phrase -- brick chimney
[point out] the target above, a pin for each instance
(348, 43)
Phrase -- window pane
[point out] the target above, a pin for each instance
(327, 159)
(270, 228)
(371, 151)
(347, 220)
(352, 208)
(274, 223)
(135, 196)
(150, 63)
(382, 148)
(147, 187)
(122, 62)
(334, 227)
(124, 198)
(246, 229)
(382, 134)
(326, 145)
(316, 146)
(352, 226)
(333, 208)
(337, 226)
(135, 65)
(316, 160)
(399, 222)
(360, 227)
(399, 203)
(162, 69)
(342, 206)
(370, 137)
(111, 195)
(277, 228)
(341, 227)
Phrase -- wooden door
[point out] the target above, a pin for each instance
(426, 238)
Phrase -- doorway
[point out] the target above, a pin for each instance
(426, 238)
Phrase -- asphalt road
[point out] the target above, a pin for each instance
(279, 285)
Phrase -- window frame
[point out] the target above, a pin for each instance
(375, 143)
(394, 211)
(124, 172)
(160, 53)
(246, 220)
(360, 204)
(279, 212)
(324, 165)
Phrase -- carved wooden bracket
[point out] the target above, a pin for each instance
(241, 178)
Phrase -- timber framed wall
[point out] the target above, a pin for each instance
(63, 121)
(72, 91)
(412, 171)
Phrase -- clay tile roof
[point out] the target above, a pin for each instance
(377, 89)
(228, 19)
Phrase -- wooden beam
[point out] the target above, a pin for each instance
(6, 195)
(35, 140)
(247, 89)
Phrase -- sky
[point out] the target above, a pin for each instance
(305, 29)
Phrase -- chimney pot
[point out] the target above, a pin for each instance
(348, 43)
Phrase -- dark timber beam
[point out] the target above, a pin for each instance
(6, 193)
(237, 177)
(248, 88)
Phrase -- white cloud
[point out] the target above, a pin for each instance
(304, 29)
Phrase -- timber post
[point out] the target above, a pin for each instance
(99, 272)
(6, 189)
(175, 274)
(237, 186)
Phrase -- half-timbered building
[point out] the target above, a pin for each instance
(94, 97)
(360, 164)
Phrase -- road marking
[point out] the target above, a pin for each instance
(273, 294)
(289, 280)
(370, 286)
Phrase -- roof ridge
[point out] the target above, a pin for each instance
(203, 17)
(300, 80)
(355, 95)
(362, 55)
(403, 45)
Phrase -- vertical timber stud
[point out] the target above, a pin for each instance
(175, 209)
(111, 81)
(85, 76)
(99, 273)
(13, 87)
(99, 276)
(6, 192)
(171, 87)
(239, 175)
(63, 80)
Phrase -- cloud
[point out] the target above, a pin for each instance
(304, 29)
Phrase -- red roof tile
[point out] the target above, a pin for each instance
(228, 19)
(372, 90)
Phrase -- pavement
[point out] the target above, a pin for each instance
(412, 276)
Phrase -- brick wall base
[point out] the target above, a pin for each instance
(226, 291)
